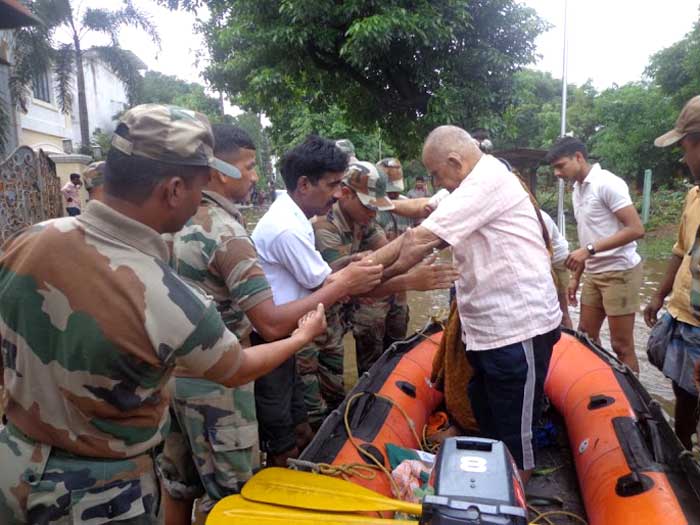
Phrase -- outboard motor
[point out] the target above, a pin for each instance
(476, 483)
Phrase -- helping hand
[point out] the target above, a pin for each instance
(577, 259)
(571, 292)
(432, 275)
(361, 276)
(312, 324)
(651, 311)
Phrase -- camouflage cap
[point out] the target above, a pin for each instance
(94, 175)
(391, 167)
(346, 147)
(369, 185)
(172, 135)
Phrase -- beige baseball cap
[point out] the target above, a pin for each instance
(368, 184)
(688, 122)
(172, 135)
(94, 175)
(391, 167)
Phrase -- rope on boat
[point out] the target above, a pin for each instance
(545, 516)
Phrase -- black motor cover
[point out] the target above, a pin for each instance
(476, 482)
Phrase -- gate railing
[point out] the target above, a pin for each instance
(29, 191)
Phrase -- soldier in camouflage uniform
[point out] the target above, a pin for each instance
(92, 323)
(393, 226)
(343, 232)
(214, 446)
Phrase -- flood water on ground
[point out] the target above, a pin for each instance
(424, 304)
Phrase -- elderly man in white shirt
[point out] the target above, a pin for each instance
(608, 225)
(505, 294)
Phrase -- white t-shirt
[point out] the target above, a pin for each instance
(595, 203)
(284, 239)
(505, 291)
(560, 246)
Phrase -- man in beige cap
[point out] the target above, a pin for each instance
(680, 325)
(85, 360)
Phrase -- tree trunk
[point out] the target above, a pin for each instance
(82, 102)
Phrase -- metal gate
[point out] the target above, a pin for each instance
(29, 191)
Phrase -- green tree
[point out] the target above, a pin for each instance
(297, 122)
(158, 88)
(675, 69)
(533, 117)
(629, 119)
(251, 124)
(402, 66)
(36, 50)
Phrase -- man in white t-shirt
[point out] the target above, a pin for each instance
(506, 298)
(608, 225)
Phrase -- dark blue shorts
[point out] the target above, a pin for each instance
(507, 392)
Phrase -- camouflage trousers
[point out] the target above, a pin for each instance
(320, 366)
(368, 321)
(212, 447)
(45, 486)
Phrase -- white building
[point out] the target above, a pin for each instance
(45, 127)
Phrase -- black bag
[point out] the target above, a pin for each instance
(659, 340)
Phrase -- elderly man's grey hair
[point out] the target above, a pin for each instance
(449, 139)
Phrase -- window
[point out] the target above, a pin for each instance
(40, 86)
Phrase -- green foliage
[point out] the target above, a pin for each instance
(533, 117)
(294, 125)
(158, 88)
(250, 122)
(399, 66)
(629, 119)
(675, 69)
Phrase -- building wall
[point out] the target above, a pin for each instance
(105, 96)
(38, 140)
(44, 123)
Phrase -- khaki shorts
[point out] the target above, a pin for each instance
(561, 278)
(617, 293)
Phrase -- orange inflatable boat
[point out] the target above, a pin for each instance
(398, 385)
(630, 466)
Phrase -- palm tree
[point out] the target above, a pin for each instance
(37, 50)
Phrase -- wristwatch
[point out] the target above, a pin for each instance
(590, 248)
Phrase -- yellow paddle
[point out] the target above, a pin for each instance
(235, 510)
(305, 490)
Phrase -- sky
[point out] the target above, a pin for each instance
(610, 41)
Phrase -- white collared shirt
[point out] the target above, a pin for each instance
(505, 291)
(284, 240)
(560, 246)
(595, 203)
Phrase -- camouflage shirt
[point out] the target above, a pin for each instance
(215, 252)
(393, 224)
(89, 338)
(337, 240)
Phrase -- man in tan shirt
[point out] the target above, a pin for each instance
(683, 352)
